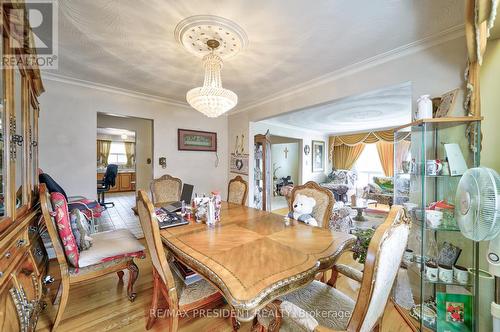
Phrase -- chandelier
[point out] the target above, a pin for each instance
(212, 99)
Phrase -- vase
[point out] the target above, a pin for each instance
(424, 108)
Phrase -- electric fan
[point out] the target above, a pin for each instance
(477, 211)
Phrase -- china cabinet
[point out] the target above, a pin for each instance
(262, 172)
(23, 258)
(439, 264)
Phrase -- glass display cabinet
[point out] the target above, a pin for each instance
(439, 265)
(23, 258)
(262, 172)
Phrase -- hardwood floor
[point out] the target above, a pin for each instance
(103, 306)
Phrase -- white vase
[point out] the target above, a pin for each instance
(424, 108)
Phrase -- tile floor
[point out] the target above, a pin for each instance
(121, 215)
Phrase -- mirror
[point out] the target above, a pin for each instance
(16, 140)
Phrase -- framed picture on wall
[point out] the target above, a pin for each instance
(318, 156)
(195, 140)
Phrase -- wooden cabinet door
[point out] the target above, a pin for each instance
(125, 181)
(19, 297)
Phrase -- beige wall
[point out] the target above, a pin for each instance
(490, 105)
(143, 143)
(68, 129)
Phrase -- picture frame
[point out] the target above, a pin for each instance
(318, 156)
(239, 163)
(447, 103)
(196, 140)
(454, 312)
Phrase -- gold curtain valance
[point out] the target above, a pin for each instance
(367, 138)
(364, 138)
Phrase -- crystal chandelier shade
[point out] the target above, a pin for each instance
(212, 99)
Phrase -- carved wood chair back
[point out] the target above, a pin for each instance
(152, 235)
(322, 212)
(381, 267)
(237, 191)
(166, 189)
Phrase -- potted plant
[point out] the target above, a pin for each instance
(360, 248)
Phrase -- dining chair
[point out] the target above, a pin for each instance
(166, 189)
(337, 311)
(181, 298)
(237, 191)
(111, 252)
(322, 212)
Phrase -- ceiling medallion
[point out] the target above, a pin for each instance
(194, 32)
(213, 38)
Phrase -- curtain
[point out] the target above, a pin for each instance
(386, 155)
(130, 152)
(345, 156)
(103, 148)
(367, 138)
(402, 152)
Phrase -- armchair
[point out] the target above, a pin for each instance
(381, 190)
(341, 183)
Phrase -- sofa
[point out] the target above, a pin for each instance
(341, 183)
(380, 190)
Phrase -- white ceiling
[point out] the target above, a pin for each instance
(130, 44)
(375, 110)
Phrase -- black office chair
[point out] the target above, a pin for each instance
(106, 183)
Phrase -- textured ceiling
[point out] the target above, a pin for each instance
(130, 44)
(381, 109)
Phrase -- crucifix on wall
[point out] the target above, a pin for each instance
(286, 152)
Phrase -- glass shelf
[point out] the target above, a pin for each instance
(414, 269)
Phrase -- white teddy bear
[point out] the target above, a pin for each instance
(302, 210)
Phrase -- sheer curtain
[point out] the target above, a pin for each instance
(130, 152)
(103, 148)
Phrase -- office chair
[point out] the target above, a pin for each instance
(106, 183)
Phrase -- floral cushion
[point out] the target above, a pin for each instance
(81, 229)
(63, 224)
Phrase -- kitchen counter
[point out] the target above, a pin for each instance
(125, 180)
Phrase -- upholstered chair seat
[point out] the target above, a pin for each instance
(318, 296)
(194, 292)
(110, 245)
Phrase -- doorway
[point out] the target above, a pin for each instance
(128, 143)
(286, 168)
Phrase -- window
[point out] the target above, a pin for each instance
(368, 165)
(117, 154)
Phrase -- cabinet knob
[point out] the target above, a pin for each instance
(1, 274)
(8, 254)
(21, 242)
(32, 229)
(39, 252)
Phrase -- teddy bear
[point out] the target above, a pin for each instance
(302, 209)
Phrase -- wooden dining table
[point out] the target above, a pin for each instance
(253, 257)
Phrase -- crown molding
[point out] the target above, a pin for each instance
(113, 89)
(411, 48)
(292, 127)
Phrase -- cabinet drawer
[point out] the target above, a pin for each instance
(8, 256)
